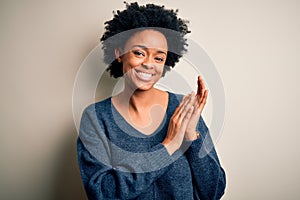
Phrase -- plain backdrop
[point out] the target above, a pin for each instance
(254, 44)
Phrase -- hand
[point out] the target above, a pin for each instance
(199, 104)
(178, 124)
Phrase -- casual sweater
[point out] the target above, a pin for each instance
(119, 162)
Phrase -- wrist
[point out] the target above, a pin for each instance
(170, 147)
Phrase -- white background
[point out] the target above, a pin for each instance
(255, 46)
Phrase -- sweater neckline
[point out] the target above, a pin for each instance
(126, 127)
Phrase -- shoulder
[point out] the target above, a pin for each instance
(94, 118)
(175, 99)
(96, 112)
(97, 107)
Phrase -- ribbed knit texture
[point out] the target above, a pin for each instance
(118, 162)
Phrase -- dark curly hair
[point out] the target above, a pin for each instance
(136, 18)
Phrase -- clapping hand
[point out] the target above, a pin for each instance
(184, 121)
(200, 101)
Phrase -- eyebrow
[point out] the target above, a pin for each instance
(144, 47)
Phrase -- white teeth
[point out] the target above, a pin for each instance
(145, 75)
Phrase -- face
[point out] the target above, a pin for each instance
(143, 59)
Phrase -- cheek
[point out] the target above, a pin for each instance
(160, 68)
(130, 63)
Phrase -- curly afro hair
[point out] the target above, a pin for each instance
(136, 18)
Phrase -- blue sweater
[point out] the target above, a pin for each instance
(118, 162)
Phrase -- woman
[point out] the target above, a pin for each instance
(144, 143)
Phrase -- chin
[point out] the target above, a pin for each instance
(144, 87)
(135, 83)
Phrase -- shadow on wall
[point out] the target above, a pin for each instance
(67, 183)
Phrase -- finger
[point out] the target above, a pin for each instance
(203, 102)
(199, 90)
(184, 99)
(184, 103)
(186, 119)
(200, 93)
(201, 86)
(196, 106)
(186, 108)
(205, 95)
(196, 102)
(200, 102)
(187, 101)
(179, 121)
(177, 118)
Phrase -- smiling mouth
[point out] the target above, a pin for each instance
(144, 76)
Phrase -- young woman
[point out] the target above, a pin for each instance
(144, 143)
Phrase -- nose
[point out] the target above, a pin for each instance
(147, 63)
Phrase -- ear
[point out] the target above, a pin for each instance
(118, 55)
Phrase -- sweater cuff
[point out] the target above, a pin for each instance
(160, 156)
(192, 148)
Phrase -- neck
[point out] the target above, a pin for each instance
(138, 100)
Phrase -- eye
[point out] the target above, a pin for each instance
(159, 59)
(138, 53)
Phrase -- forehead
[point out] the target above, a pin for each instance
(148, 38)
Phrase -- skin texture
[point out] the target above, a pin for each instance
(146, 52)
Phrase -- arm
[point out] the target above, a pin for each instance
(122, 181)
(208, 176)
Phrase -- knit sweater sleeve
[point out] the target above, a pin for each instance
(208, 176)
(127, 179)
